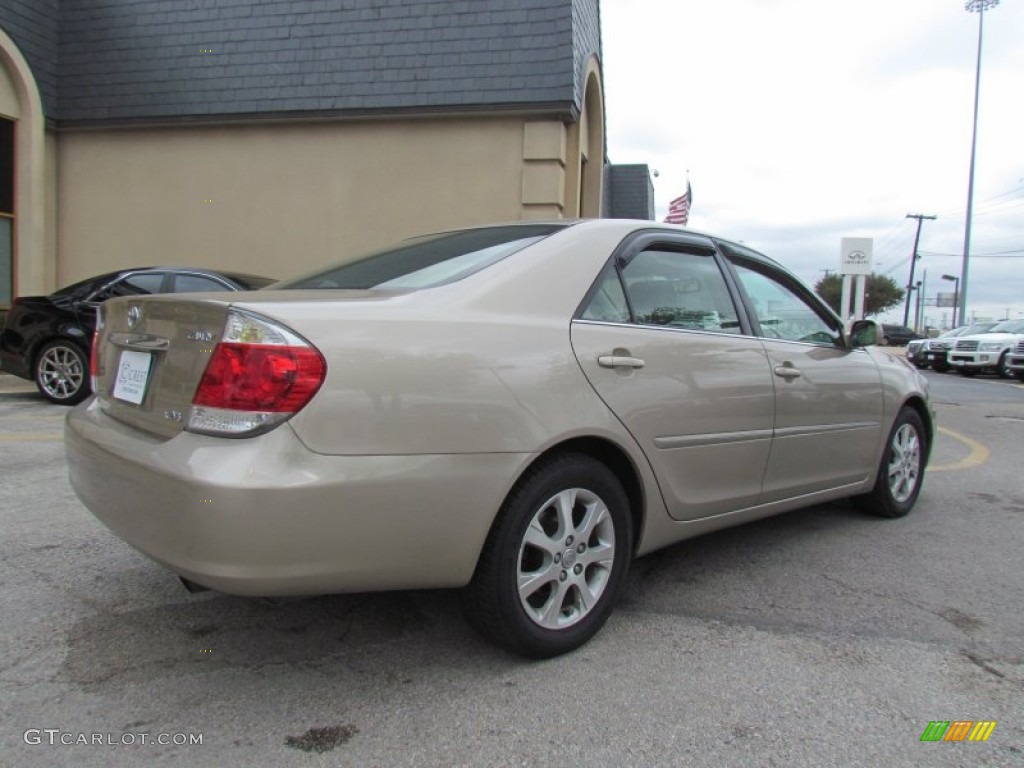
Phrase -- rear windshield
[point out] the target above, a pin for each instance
(428, 261)
(84, 287)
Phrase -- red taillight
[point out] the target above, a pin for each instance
(257, 377)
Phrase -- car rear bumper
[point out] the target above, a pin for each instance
(264, 516)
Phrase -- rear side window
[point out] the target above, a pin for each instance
(678, 288)
(198, 283)
(425, 262)
(133, 285)
(681, 289)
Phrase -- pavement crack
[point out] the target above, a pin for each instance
(982, 663)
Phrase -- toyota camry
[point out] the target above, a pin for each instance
(517, 411)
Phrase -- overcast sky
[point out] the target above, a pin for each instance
(805, 121)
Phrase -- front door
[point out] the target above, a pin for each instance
(828, 398)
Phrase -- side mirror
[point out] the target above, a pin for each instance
(864, 333)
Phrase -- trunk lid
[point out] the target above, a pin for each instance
(151, 355)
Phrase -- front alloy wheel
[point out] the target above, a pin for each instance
(902, 469)
(555, 560)
(61, 373)
(1005, 371)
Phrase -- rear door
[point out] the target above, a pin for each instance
(667, 349)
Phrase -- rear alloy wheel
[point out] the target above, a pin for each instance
(61, 373)
(555, 560)
(901, 471)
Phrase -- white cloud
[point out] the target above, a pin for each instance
(802, 122)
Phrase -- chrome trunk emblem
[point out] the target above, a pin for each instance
(134, 316)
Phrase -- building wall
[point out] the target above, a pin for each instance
(278, 199)
(629, 192)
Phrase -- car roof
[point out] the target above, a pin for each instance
(91, 284)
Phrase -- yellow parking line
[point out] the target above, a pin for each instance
(979, 453)
(29, 436)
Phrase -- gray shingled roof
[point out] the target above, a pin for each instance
(32, 24)
(143, 59)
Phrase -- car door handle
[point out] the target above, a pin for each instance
(620, 361)
(787, 371)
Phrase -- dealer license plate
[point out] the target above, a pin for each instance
(132, 376)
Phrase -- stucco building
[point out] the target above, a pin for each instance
(270, 136)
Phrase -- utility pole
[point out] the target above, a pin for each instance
(913, 261)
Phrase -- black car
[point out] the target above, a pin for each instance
(898, 335)
(47, 338)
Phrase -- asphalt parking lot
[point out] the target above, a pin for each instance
(816, 638)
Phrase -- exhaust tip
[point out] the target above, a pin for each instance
(192, 587)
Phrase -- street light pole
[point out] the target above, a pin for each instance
(971, 6)
(956, 296)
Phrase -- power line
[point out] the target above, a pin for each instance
(994, 254)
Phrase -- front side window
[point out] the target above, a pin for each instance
(679, 289)
(780, 309)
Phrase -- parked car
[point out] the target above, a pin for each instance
(46, 339)
(988, 351)
(1016, 361)
(933, 352)
(898, 335)
(518, 410)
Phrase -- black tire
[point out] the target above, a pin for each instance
(1003, 369)
(62, 372)
(901, 470)
(1019, 375)
(940, 367)
(529, 536)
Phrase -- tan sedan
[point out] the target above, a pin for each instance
(517, 410)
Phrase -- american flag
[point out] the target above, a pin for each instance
(679, 209)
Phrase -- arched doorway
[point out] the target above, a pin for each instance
(22, 198)
(586, 183)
